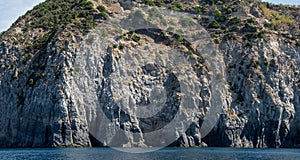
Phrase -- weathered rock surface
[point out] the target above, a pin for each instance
(263, 96)
(135, 81)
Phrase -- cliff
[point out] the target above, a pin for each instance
(151, 73)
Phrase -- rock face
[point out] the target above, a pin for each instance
(136, 81)
(263, 97)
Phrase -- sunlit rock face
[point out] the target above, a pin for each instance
(150, 77)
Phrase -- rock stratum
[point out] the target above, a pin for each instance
(81, 73)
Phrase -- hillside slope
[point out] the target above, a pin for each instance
(94, 73)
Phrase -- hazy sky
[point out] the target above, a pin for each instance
(10, 10)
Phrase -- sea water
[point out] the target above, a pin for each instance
(165, 153)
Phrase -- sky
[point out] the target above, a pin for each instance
(10, 10)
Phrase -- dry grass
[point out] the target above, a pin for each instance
(275, 17)
(230, 112)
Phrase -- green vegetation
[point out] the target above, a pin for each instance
(217, 41)
(234, 28)
(249, 28)
(53, 17)
(55, 14)
(159, 4)
(180, 39)
(56, 17)
(217, 11)
(124, 37)
(226, 9)
(269, 25)
(190, 53)
(234, 20)
(148, 2)
(214, 25)
(121, 46)
(130, 36)
(135, 38)
(221, 18)
(103, 14)
(177, 7)
(101, 8)
(102, 11)
(250, 20)
(199, 9)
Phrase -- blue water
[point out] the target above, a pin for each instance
(166, 153)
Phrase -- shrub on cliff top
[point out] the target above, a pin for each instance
(234, 20)
(177, 7)
(199, 9)
(148, 2)
(101, 8)
(214, 24)
(136, 38)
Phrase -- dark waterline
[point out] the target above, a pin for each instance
(166, 153)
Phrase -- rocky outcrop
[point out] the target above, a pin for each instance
(263, 95)
(151, 77)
